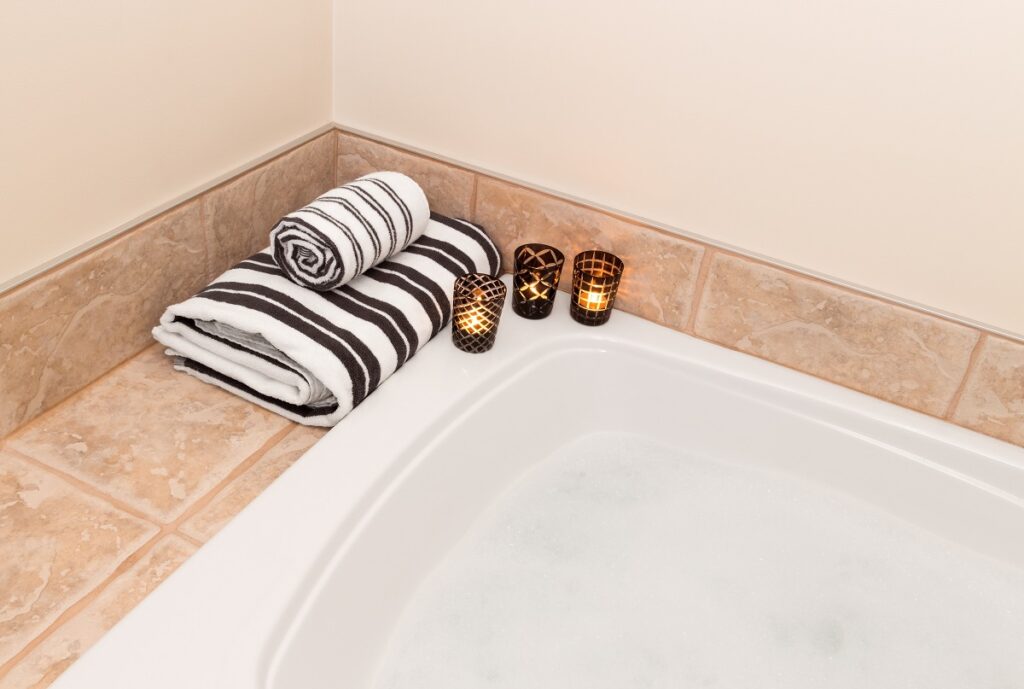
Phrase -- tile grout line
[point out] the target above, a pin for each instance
(240, 468)
(185, 537)
(972, 362)
(207, 258)
(698, 288)
(85, 487)
(334, 159)
(473, 197)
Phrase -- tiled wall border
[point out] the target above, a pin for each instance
(54, 340)
(72, 323)
(934, 363)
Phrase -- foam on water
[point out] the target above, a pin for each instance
(621, 563)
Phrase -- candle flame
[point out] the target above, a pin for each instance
(593, 301)
(472, 322)
(530, 291)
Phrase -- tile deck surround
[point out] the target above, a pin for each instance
(101, 499)
(114, 469)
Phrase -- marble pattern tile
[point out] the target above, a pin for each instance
(239, 214)
(66, 328)
(149, 436)
(240, 492)
(57, 543)
(993, 398)
(661, 270)
(291, 181)
(231, 234)
(44, 663)
(449, 189)
(900, 355)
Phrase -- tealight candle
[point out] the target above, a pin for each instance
(595, 280)
(535, 279)
(593, 301)
(476, 309)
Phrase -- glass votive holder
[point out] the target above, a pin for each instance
(476, 310)
(595, 280)
(535, 279)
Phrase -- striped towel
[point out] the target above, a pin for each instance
(348, 230)
(313, 356)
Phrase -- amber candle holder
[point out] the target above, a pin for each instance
(595, 280)
(535, 279)
(476, 311)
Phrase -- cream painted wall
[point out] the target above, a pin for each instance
(880, 142)
(111, 108)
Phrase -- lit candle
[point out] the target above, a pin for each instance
(473, 320)
(535, 279)
(529, 290)
(593, 301)
(595, 280)
(476, 306)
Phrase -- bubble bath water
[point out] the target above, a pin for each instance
(621, 563)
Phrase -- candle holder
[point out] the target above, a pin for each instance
(476, 311)
(535, 280)
(595, 280)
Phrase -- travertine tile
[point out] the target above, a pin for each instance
(993, 399)
(50, 658)
(891, 352)
(149, 436)
(243, 489)
(240, 214)
(449, 189)
(57, 543)
(661, 270)
(289, 182)
(231, 233)
(65, 329)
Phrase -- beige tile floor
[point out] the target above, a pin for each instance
(102, 497)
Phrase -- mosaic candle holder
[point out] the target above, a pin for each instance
(476, 311)
(535, 279)
(595, 280)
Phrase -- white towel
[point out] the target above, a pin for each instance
(313, 356)
(348, 230)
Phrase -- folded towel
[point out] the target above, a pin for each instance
(348, 230)
(313, 356)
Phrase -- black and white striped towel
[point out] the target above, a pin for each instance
(346, 231)
(313, 356)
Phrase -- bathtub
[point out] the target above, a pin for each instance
(305, 587)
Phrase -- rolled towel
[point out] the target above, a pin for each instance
(313, 356)
(348, 230)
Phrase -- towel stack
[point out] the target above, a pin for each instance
(352, 286)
